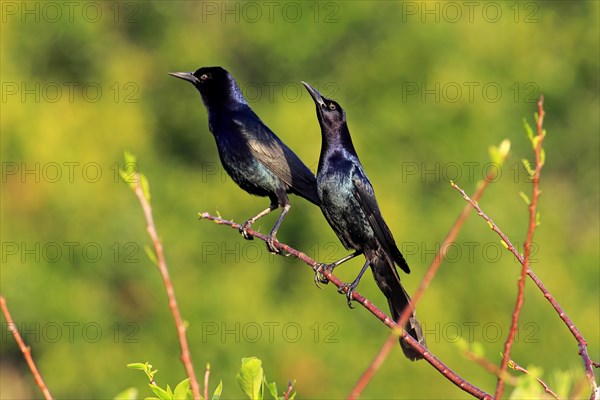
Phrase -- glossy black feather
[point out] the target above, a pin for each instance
(253, 156)
(364, 193)
(349, 205)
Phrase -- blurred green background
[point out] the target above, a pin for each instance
(427, 88)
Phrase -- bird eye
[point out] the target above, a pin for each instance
(204, 77)
(331, 106)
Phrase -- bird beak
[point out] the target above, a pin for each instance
(318, 99)
(186, 76)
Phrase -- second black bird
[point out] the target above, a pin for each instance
(253, 156)
(349, 205)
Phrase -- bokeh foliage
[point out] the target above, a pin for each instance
(411, 76)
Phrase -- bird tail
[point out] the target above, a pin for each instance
(387, 279)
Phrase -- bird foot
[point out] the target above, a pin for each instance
(271, 240)
(319, 269)
(244, 230)
(348, 288)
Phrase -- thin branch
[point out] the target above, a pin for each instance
(430, 358)
(490, 367)
(206, 376)
(526, 270)
(535, 194)
(517, 367)
(164, 272)
(389, 344)
(588, 363)
(12, 327)
(287, 393)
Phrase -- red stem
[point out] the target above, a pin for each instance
(527, 251)
(164, 272)
(11, 326)
(356, 296)
(389, 344)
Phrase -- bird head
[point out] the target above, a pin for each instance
(215, 84)
(331, 115)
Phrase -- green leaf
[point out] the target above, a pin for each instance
(161, 393)
(535, 142)
(127, 394)
(272, 389)
(499, 153)
(146, 367)
(250, 378)
(140, 366)
(129, 157)
(542, 157)
(129, 172)
(218, 391)
(182, 390)
(529, 167)
(528, 130)
(504, 244)
(525, 198)
(538, 219)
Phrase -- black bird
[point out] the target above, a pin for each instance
(253, 156)
(349, 205)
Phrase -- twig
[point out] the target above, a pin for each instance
(430, 358)
(206, 376)
(526, 249)
(588, 363)
(490, 366)
(287, 393)
(517, 367)
(164, 272)
(26, 350)
(389, 344)
(523, 259)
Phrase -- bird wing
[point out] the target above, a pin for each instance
(282, 161)
(365, 195)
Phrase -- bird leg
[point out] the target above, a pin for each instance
(321, 267)
(350, 287)
(246, 225)
(270, 246)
